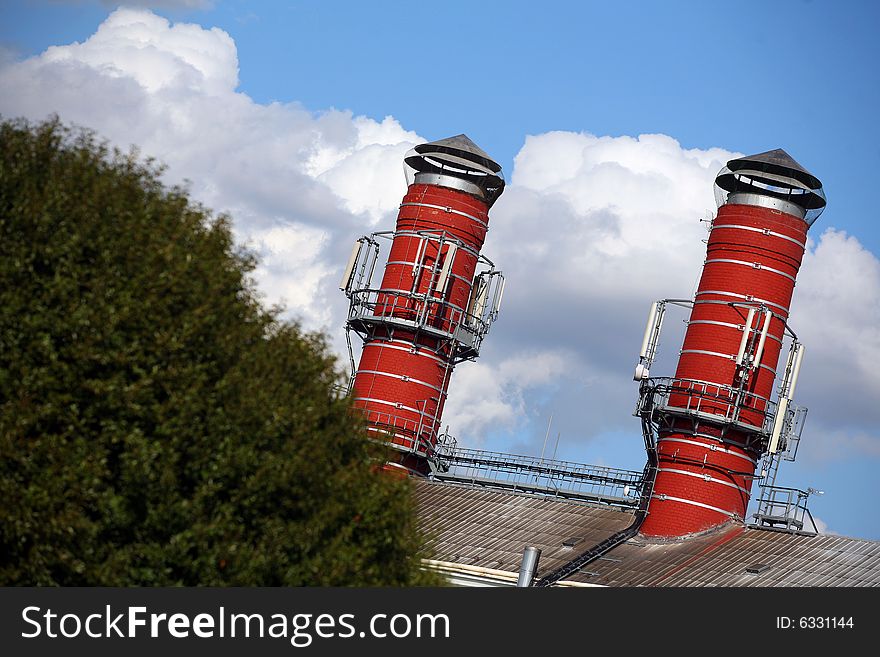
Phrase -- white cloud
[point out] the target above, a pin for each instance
(487, 395)
(588, 232)
(822, 527)
(836, 311)
(368, 173)
(291, 267)
(299, 185)
(143, 46)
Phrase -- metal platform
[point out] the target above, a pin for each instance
(417, 313)
(785, 509)
(713, 402)
(422, 310)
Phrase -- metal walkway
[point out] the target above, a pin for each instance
(532, 475)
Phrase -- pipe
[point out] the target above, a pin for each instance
(529, 565)
(501, 577)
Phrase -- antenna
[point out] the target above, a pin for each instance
(444, 271)
(649, 328)
(796, 369)
(778, 424)
(418, 261)
(760, 350)
(556, 446)
(546, 436)
(650, 339)
(349, 268)
(479, 293)
(786, 394)
(745, 338)
(497, 306)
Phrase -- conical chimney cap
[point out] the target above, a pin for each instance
(456, 162)
(463, 147)
(776, 161)
(773, 174)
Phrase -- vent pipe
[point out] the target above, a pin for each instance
(529, 566)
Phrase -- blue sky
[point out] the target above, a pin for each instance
(799, 74)
(736, 78)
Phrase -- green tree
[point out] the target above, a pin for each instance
(158, 426)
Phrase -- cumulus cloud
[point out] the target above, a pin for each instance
(836, 312)
(590, 230)
(490, 395)
(822, 527)
(299, 184)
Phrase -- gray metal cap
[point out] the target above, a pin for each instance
(773, 173)
(462, 146)
(460, 158)
(776, 161)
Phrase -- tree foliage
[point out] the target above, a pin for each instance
(158, 426)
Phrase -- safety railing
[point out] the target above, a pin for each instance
(417, 311)
(545, 477)
(716, 402)
(403, 433)
(785, 509)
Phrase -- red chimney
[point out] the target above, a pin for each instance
(437, 298)
(715, 419)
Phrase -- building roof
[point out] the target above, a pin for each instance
(475, 527)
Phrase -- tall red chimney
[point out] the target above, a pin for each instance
(437, 298)
(715, 419)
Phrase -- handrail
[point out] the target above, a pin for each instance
(715, 401)
(783, 507)
(424, 310)
(402, 431)
(526, 474)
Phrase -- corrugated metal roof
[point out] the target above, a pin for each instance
(490, 528)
